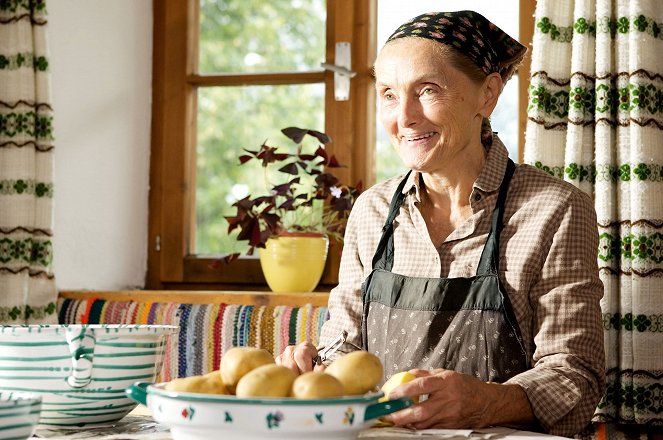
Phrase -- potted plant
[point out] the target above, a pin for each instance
(304, 209)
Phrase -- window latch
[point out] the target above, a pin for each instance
(342, 69)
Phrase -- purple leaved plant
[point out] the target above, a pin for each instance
(310, 199)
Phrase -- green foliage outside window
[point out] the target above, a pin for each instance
(248, 36)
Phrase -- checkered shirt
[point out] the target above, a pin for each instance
(548, 268)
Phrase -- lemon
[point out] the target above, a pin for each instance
(396, 380)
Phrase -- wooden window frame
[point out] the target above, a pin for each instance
(351, 125)
(172, 162)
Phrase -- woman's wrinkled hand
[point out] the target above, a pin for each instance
(299, 358)
(455, 400)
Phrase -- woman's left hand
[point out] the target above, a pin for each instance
(455, 400)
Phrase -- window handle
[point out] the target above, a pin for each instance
(338, 69)
(342, 69)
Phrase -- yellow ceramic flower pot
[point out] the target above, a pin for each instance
(294, 263)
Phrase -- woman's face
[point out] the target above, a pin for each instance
(432, 112)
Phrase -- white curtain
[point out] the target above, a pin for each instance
(27, 286)
(595, 119)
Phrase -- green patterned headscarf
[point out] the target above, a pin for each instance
(471, 34)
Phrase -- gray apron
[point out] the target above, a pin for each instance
(461, 324)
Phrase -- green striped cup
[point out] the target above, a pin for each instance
(81, 371)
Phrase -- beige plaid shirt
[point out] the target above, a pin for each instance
(548, 267)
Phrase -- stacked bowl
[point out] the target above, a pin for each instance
(19, 413)
(81, 371)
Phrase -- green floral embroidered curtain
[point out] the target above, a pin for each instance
(27, 285)
(595, 119)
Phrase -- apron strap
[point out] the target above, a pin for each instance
(384, 254)
(490, 256)
(489, 263)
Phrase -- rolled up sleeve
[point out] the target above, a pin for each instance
(345, 302)
(568, 375)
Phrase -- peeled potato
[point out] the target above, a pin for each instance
(396, 380)
(197, 384)
(238, 361)
(269, 380)
(316, 385)
(359, 372)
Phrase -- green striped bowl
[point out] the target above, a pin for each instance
(19, 413)
(81, 371)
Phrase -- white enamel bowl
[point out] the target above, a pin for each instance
(19, 413)
(81, 371)
(194, 416)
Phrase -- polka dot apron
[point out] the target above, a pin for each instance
(461, 324)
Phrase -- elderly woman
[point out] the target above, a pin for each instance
(477, 275)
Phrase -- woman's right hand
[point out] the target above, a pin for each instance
(299, 358)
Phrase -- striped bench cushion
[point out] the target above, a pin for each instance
(206, 330)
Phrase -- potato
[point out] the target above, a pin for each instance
(214, 374)
(359, 372)
(396, 380)
(316, 385)
(215, 383)
(269, 380)
(191, 384)
(240, 360)
(208, 384)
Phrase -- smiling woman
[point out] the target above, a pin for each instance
(448, 98)
(391, 14)
(454, 269)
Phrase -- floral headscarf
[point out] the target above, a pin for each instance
(470, 33)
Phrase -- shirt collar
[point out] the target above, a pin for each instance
(489, 179)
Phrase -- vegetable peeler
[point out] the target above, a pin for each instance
(324, 353)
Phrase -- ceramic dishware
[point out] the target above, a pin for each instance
(19, 413)
(81, 371)
(194, 416)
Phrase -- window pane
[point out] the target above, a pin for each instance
(233, 118)
(261, 36)
(505, 116)
(504, 119)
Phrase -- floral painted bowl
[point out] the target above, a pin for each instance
(194, 416)
(81, 371)
(19, 413)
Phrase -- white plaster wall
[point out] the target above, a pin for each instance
(101, 64)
